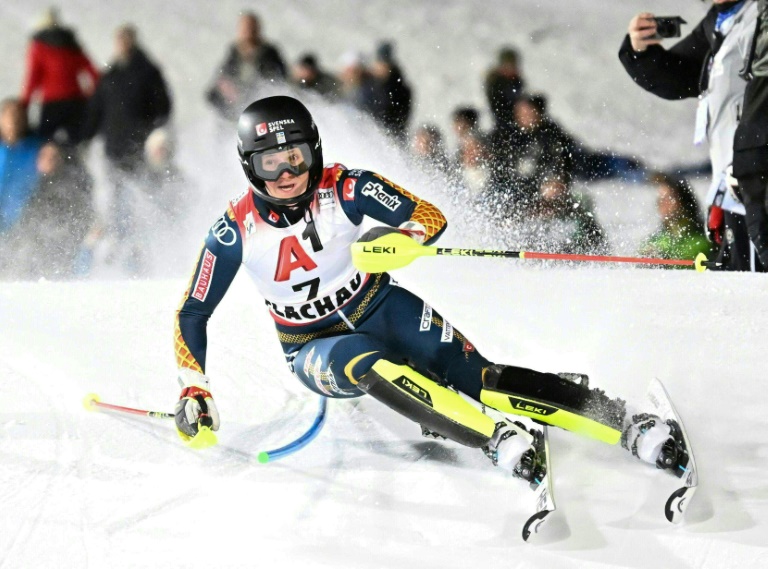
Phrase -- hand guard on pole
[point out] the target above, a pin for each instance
(195, 411)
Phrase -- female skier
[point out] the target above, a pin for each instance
(346, 333)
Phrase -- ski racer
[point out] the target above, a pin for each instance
(346, 333)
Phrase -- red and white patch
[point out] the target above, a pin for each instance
(273, 217)
(468, 347)
(203, 283)
(261, 129)
(349, 189)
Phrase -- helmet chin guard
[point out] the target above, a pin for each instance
(276, 124)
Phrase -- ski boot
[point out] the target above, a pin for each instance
(581, 379)
(656, 442)
(515, 448)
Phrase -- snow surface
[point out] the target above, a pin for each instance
(82, 489)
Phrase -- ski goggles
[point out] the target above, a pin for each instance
(270, 165)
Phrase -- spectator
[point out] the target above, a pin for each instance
(307, 74)
(750, 158)
(428, 148)
(58, 217)
(681, 234)
(465, 122)
(393, 95)
(18, 153)
(128, 104)
(706, 61)
(504, 86)
(564, 221)
(535, 150)
(163, 175)
(474, 166)
(358, 86)
(57, 68)
(130, 101)
(249, 61)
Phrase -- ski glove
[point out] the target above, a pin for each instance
(715, 224)
(412, 229)
(195, 407)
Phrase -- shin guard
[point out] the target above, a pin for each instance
(433, 406)
(551, 399)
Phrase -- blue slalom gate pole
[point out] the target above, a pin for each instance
(270, 455)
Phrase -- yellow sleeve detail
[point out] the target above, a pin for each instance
(430, 217)
(184, 357)
(425, 213)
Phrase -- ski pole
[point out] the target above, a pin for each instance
(268, 456)
(92, 400)
(395, 250)
(204, 438)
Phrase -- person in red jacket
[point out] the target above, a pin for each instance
(55, 73)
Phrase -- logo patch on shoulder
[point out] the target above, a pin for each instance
(203, 283)
(349, 189)
(377, 192)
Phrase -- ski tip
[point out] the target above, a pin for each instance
(534, 523)
(678, 503)
(89, 401)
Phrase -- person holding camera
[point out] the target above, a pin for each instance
(750, 145)
(704, 64)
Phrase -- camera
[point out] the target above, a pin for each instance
(668, 27)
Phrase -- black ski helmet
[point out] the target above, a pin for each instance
(275, 124)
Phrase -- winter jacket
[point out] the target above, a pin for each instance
(18, 175)
(130, 101)
(502, 94)
(393, 103)
(706, 63)
(244, 74)
(682, 242)
(55, 63)
(50, 233)
(524, 159)
(750, 143)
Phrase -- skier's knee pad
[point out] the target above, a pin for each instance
(422, 400)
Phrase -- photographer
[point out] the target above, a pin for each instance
(705, 63)
(750, 145)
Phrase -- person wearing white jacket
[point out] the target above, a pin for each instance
(705, 64)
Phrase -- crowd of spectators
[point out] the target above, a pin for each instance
(47, 214)
(526, 172)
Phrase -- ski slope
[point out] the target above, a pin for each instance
(86, 489)
(82, 489)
